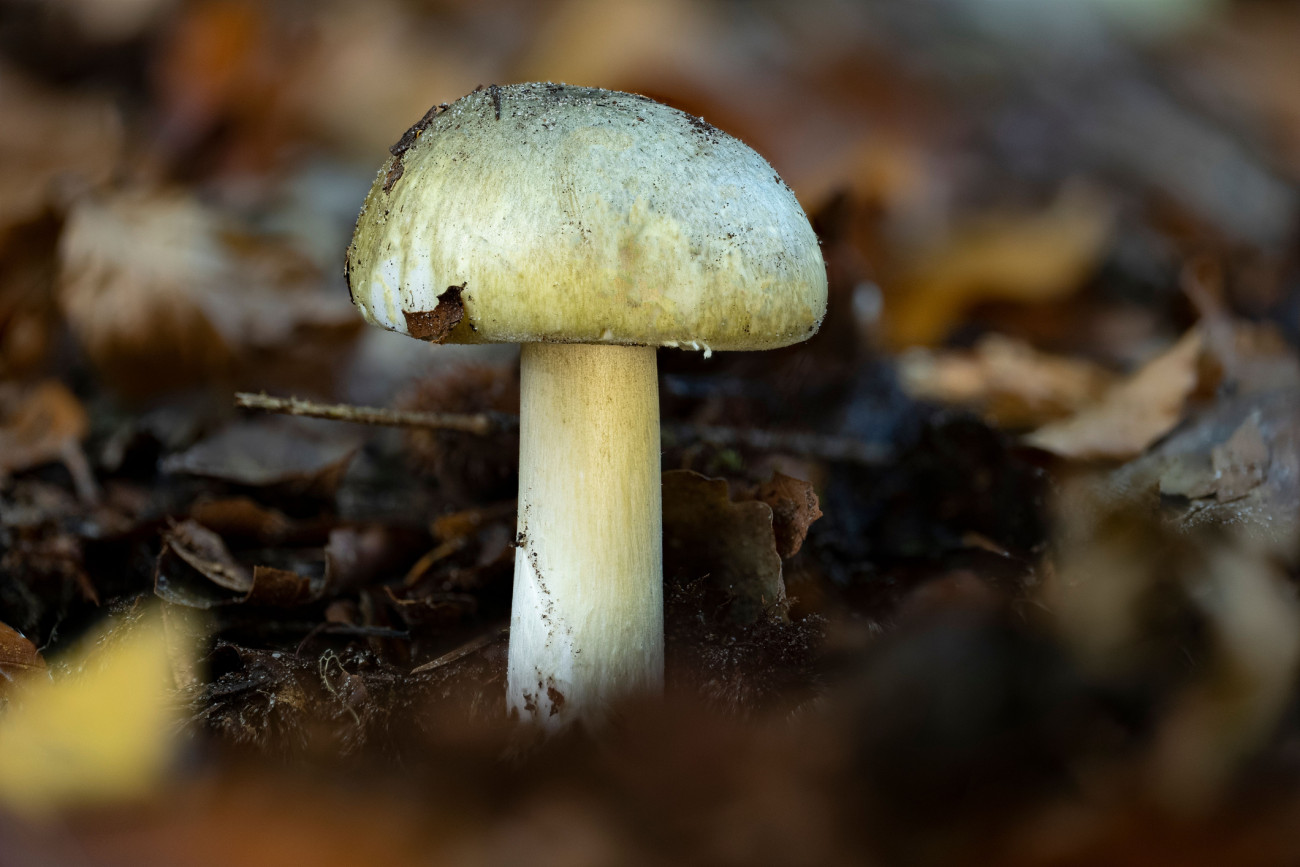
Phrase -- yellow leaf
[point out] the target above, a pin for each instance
(99, 728)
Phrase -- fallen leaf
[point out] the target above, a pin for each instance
(100, 729)
(297, 460)
(1132, 414)
(241, 518)
(40, 425)
(1025, 257)
(18, 657)
(1008, 381)
(734, 544)
(281, 588)
(196, 569)
(436, 610)
(794, 508)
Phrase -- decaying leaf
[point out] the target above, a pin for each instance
(299, 460)
(1012, 384)
(100, 729)
(18, 657)
(1230, 471)
(1031, 258)
(734, 544)
(794, 508)
(241, 518)
(1131, 415)
(279, 587)
(39, 425)
(195, 569)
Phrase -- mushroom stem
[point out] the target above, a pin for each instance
(587, 622)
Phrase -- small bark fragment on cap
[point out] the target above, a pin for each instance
(394, 175)
(398, 150)
(437, 324)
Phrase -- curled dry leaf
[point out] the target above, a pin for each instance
(1012, 384)
(197, 570)
(40, 425)
(164, 292)
(18, 656)
(794, 508)
(734, 544)
(1132, 414)
(52, 144)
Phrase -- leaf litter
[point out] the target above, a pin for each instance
(1075, 646)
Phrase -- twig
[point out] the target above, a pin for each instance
(481, 424)
(829, 448)
(463, 651)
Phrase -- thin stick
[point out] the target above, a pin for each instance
(828, 448)
(481, 424)
(463, 651)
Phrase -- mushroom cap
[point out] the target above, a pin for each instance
(551, 213)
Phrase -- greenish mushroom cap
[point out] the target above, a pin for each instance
(544, 212)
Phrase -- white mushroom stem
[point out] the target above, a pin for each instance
(587, 621)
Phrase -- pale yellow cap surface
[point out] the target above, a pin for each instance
(545, 212)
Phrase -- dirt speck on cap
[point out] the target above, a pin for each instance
(437, 324)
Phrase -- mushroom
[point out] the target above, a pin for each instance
(592, 227)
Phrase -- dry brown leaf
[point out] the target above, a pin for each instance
(794, 508)
(1134, 413)
(292, 459)
(1010, 382)
(734, 544)
(39, 426)
(18, 656)
(196, 570)
(279, 587)
(1029, 258)
(1232, 469)
(241, 517)
(52, 145)
(163, 292)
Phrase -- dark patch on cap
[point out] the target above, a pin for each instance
(495, 91)
(408, 138)
(437, 324)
